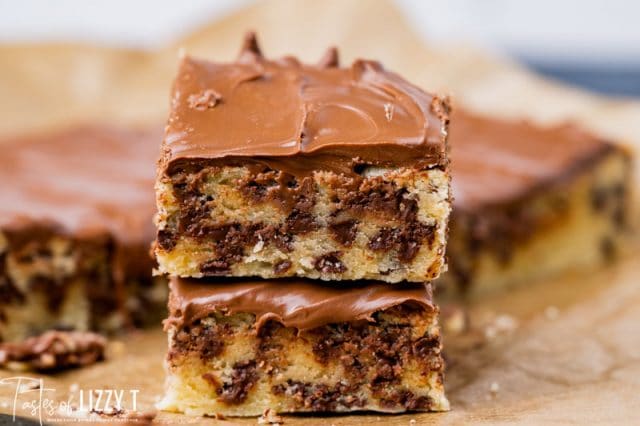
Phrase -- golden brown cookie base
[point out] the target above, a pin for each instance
(384, 224)
(50, 280)
(221, 365)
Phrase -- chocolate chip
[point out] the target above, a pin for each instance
(243, 377)
(344, 231)
(330, 263)
(205, 342)
(167, 240)
(281, 267)
(407, 240)
(215, 267)
(300, 223)
(385, 239)
(320, 397)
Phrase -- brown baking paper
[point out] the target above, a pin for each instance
(565, 351)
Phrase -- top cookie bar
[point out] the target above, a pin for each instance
(275, 168)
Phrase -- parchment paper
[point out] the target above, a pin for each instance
(565, 351)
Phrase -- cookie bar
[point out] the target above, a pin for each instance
(76, 210)
(277, 168)
(532, 201)
(238, 347)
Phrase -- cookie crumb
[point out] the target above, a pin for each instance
(205, 100)
(454, 319)
(502, 324)
(269, 417)
(54, 351)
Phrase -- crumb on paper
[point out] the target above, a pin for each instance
(269, 417)
(454, 319)
(74, 387)
(552, 312)
(502, 324)
(412, 422)
(494, 388)
(53, 350)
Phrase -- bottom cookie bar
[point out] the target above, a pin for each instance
(239, 347)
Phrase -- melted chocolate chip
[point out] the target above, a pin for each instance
(166, 239)
(282, 267)
(385, 239)
(330, 263)
(300, 223)
(404, 399)
(205, 341)
(406, 240)
(243, 377)
(319, 397)
(215, 267)
(344, 231)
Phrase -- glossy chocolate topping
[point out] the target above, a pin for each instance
(495, 161)
(303, 304)
(92, 183)
(82, 181)
(300, 113)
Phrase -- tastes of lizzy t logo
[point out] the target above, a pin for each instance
(31, 397)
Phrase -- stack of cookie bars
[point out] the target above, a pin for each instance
(302, 214)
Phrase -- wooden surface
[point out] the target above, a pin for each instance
(566, 351)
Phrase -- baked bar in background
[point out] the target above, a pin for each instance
(238, 347)
(530, 202)
(76, 209)
(277, 168)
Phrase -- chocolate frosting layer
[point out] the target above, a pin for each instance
(82, 181)
(496, 161)
(263, 109)
(297, 302)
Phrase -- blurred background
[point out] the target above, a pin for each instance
(594, 44)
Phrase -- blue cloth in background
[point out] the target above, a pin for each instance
(612, 80)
